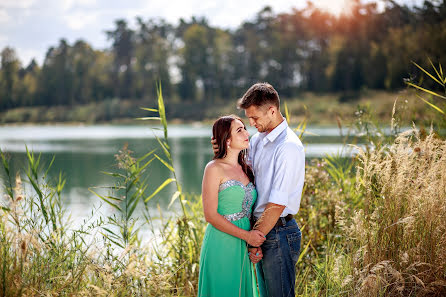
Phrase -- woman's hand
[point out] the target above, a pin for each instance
(255, 254)
(255, 238)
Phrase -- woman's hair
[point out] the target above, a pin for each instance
(221, 132)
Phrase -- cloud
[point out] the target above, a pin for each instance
(70, 4)
(79, 20)
(21, 4)
(227, 14)
(27, 54)
(3, 39)
(4, 17)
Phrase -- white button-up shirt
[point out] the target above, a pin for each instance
(278, 161)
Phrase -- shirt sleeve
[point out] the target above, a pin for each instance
(289, 165)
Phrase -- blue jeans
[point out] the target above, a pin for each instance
(276, 272)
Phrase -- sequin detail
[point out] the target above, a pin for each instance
(246, 203)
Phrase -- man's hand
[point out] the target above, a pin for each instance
(255, 254)
(214, 145)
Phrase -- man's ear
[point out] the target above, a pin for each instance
(272, 109)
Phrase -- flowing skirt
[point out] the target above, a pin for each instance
(225, 268)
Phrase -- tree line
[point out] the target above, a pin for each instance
(305, 49)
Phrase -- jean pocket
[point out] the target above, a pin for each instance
(271, 242)
(294, 244)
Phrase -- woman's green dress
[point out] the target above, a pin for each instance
(225, 268)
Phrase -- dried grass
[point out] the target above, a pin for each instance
(401, 232)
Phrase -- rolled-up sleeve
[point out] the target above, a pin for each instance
(289, 171)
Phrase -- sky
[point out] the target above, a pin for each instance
(32, 26)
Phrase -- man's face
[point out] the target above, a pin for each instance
(260, 117)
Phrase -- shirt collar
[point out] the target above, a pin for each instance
(271, 136)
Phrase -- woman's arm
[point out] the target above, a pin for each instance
(211, 181)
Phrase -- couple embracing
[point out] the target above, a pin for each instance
(251, 191)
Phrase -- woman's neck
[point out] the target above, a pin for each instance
(231, 157)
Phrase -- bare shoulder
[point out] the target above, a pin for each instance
(214, 169)
(213, 175)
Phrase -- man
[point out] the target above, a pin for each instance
(278, 161)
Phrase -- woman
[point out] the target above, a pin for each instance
(228, 195)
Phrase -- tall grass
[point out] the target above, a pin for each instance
(400, 233)
(374, 225)
(42, 254)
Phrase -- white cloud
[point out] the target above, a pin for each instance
(3, 39)
(26, 55)
(79, 20)
(23, 4)
(69, 4)
(4, 16)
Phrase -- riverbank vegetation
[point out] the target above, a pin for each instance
(316, 109)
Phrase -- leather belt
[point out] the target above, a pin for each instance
(283, 220)
(280, 222)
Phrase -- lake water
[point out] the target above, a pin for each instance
(83, 152)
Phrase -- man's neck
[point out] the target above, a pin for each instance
(277, 121)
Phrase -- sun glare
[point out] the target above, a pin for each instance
(336, 7)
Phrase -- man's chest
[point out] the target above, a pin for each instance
(263, 158)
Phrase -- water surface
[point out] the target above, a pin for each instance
(83, 152)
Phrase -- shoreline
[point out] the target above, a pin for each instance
(316, 109)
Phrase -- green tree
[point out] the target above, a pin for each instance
(9, 78)
(153, 50)
(102, 76)
(195, 58)
(123, 46)
(56, 79)
(254, 43)
(82, 57)
(29, 80)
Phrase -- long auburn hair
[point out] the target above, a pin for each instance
(221, 132)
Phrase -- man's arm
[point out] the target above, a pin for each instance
(269, 217)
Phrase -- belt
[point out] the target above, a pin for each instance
(280, 222)
(283, 220)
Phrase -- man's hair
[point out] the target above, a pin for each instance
(259, 94)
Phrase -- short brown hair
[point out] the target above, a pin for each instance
(259, 94)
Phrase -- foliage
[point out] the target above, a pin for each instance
(439, 78)
(125, 196)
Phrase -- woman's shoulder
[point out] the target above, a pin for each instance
(214, 166)
(214, 170)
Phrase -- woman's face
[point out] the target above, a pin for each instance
(239, 136)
